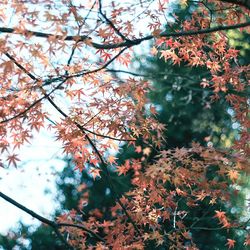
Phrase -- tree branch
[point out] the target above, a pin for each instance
(241, 226)
(130, 43)
(48, 222)
(51, 223)
(20, 66)
(45, 96)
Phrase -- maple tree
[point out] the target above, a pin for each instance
(71, 63)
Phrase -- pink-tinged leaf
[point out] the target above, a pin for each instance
(12, 160)
(95, 172)
(230, 243)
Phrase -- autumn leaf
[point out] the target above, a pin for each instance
(153, 51)
(138, 149)
(88, 41)
(205, 83)
(230, 243)
(180, 224)
(146, 151)
(222, 218)
(187, 235)
(111, 159)
(220, 214)
(180, 192)
(123, 169)
(153, 110)
(156, 32)
(95, 172)
(12, 160)
(94, 161)
(233, 174)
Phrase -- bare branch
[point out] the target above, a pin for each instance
(241, 226)
(44, 220)
(106, 136)
(47, 95)
(50, 223)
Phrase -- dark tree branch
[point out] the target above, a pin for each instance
(48, 222)
(21, 67)
(82, 22)
(134, 42)
(104, 66)
(117, 31)
(78, 33)
(63, 79)
(106, 136)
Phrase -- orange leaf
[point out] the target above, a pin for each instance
(233, 175)
(111, 159)
(123, 169)
(230, 243)
(220, 214)
(146, 151)
(95, 172)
